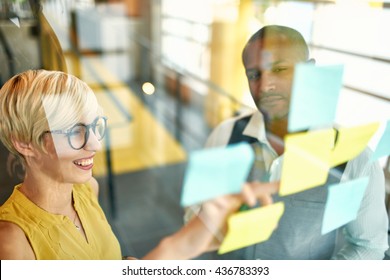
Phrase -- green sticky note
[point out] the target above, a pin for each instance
(383, 147)
(216, 171)
(314, 96)
(343, 203)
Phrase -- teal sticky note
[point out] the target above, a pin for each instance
(216, 171)
(314, 96)
(383, 147)
(343, 203)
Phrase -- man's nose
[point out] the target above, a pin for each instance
(267, 83)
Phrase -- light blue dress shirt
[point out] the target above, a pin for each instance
(298, 235)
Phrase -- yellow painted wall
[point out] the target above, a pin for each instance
(226, 70)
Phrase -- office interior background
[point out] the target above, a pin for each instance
(166, 72)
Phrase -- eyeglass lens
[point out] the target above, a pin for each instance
(79, 134)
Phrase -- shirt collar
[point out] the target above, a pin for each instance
(256, 127)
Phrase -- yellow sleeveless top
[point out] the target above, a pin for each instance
(55, 237)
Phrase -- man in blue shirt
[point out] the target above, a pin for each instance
(269, 58)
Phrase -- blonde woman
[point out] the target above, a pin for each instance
(53, 123)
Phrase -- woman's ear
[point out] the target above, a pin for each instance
(25, 149)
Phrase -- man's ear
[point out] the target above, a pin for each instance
(25, 149)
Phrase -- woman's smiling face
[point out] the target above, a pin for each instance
(64, 163)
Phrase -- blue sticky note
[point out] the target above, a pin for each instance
(383, 147)
(216, 171)
(343, 203)
(314, 96)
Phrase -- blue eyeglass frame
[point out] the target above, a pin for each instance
(87, 128)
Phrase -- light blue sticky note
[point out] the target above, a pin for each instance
(343, 203)
(314, 96)
(216, 171)
(383, 147)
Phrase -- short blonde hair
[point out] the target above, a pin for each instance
(32, 100)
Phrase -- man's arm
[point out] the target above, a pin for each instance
(366, 237)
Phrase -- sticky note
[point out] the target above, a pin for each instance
(351, 142)
(314, 96)
(15, 20)
(343, 203)
(306, 160)
(216, 171)
(383, 147)
(251, 227)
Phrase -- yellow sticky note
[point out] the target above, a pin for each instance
(251, 227)
(306, 160)
(351, 142)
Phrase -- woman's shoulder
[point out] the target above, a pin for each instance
(14, 243)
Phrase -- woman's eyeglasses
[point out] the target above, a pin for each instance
(78, 135)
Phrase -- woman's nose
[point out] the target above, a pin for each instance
(93, 144)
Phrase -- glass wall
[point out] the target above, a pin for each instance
(169, 72)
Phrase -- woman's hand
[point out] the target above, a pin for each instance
(214, 213)
(205, 231)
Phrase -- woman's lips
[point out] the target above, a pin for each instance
(85, 164)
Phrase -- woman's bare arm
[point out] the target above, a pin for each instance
(13, 243)
(199, 234)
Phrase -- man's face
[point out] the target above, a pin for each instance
(269, 66)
